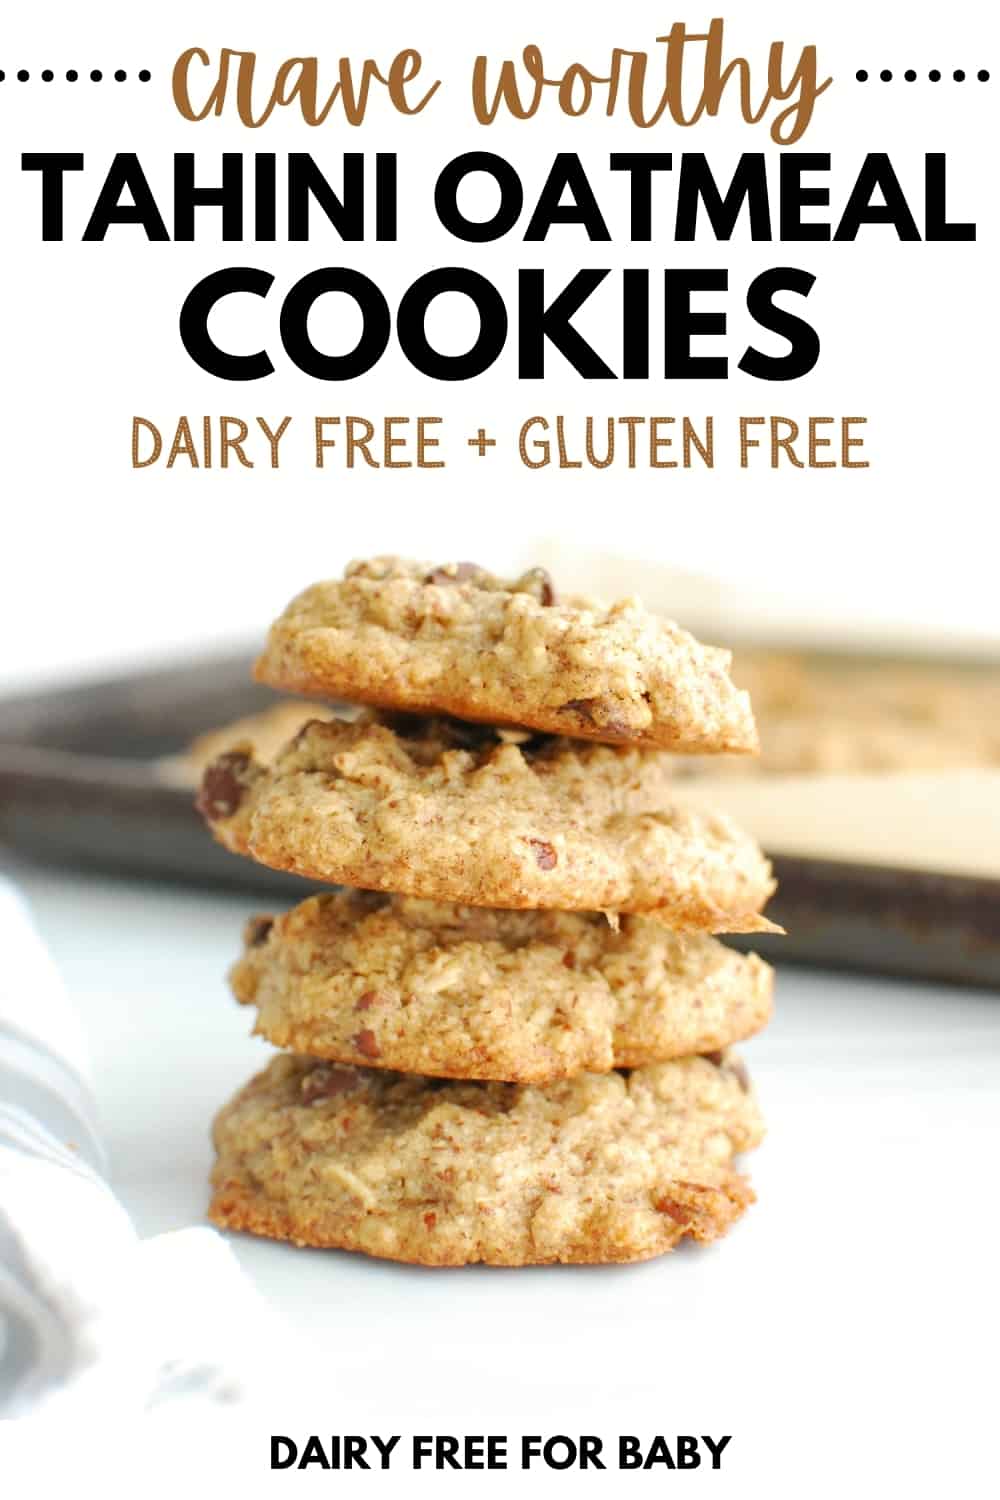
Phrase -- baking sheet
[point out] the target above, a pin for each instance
(80, 786)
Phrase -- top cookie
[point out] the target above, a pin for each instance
(456, 640)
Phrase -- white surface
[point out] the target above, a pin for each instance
(846, 1331)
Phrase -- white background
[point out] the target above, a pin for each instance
(112, 563)
(846, 1334)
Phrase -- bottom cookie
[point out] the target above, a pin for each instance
(597, 1169)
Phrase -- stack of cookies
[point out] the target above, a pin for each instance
(508, 1030)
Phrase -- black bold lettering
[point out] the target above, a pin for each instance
(682, 323)
(795, 196)
(284, 1460)
(536, 323)
(228, 196)
(635, 324)
(877, 175)
(803, 338)
(52, 165)
(640, 165)
(688, 1456)
(567, 172)
(306, 183)
(659, 1453)
(590, 1453)
(478, 232)
(936, 225)
(412, 316)
(385, 195)
(748, 187)
(629, 1453)
(125, 174)
(385, 1447)
(715, 1447)
(264, 196)
(294, 325)
(199, 303)
(313, 1453)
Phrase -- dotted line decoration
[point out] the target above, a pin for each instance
(72, 75)
(935, 75)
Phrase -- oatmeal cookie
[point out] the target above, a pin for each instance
(457, 812)
(470, 992)
(600, 1168)
(456, 640)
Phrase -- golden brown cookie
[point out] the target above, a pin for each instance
(456, 640)
(600, 1168)
(471, 992)
(459, 812)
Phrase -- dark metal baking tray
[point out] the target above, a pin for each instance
(80, 786)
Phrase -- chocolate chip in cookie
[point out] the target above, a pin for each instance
(256, 932)
(223, 785)
(327, 1083)
(538, 583)
(594, 712)
(734, 1066)
(367, 1043)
